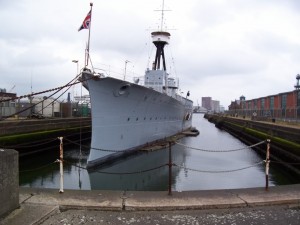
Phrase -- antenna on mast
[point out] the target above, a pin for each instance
(162, 15)
(162, 10)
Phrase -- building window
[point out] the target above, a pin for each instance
(272, 102)
(283, 101)
(262, 103)
(283, 104)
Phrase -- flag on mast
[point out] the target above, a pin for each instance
(86, 22)
(87, 25)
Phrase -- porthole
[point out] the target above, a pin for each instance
(123, 90)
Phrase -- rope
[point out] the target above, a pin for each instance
(218, 171)
(119, 173)
(32, 145)
(69, 84)
(285, 162)
(99, 149)
(210, 150)
(205, 150)
(41, 167)
(32, 94)
(38, 93)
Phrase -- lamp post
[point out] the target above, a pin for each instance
(74, 61)
(297, 87)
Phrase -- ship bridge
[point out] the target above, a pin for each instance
(157, 78)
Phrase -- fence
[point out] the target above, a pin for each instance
(170, 164)
(291, 114)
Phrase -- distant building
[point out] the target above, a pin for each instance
(215, 106)
(282, 106)
(84, 99)
(222, 109)
(7, 106)
(210, 104)
(48, 107)
(207, 103)
(42, 106)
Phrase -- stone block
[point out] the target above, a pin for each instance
(9, 181)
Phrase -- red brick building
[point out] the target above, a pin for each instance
(283, 105)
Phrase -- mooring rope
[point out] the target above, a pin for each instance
(211, 150)
(219, 171)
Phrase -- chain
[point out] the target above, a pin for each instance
(30, 144)
(118, 173)
(38, 93)
(99, 149)
(279, 162)
(211, 150)
(218, 171)
(41, 167)
(49, 90)
(205, 150)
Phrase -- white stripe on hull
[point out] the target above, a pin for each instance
(126, 116)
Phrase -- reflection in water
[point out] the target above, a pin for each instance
(155, 180)
(182, 177)
(215, 139)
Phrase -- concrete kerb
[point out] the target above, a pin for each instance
(37, 205)
(182, 200)
(286, 194)
(75, 199)
(153, 201)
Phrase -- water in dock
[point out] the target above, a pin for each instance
(209, 166)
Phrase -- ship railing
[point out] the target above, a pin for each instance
(140, 80)
(119, 73)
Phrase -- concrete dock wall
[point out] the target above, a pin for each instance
(9, 181)
(39, 135)
(27, 126)
(285, 140)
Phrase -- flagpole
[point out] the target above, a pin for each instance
(88, 45)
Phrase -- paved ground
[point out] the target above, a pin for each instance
(278, 205)
(275, 215)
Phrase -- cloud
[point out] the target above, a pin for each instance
(218, 48)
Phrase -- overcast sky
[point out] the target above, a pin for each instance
(219, 48)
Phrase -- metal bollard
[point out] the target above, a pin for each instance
(61, 167)
(170, 168)
(267, 163)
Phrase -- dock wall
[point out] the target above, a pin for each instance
(9, 181)
(285, 140)
(32, 136)
(28, 126)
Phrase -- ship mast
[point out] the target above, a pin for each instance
(87, 54)
(160, 39)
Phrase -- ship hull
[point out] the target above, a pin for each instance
(126, 116)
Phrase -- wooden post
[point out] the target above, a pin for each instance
(61, 167)
(170, 168)
(267, 163)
